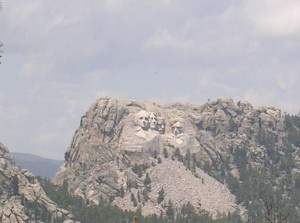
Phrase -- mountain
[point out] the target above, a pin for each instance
(220, 157)
(22, 199)
(38, 165)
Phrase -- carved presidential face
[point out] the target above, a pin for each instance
(177, 128)
(161, 125)
(143, 119)
(153, 121)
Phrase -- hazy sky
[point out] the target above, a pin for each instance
(59, 56)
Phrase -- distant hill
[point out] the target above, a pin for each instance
(38, 165)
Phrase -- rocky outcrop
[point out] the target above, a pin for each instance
(120, 142)
(18, 188)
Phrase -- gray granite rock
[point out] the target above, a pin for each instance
(19, 186)
(115, 136)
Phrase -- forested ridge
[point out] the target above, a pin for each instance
(262, 172)
(105, 212)
(267, 191)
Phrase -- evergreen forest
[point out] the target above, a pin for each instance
(269, 192)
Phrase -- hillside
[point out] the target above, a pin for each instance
(22, 199)
(126, 152)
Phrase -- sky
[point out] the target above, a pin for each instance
(59, 56)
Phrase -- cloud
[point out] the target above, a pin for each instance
(35, 68)
(95, 76)
(286, 81)
(276, 17)
(165, 39)
(11, 111)
(270, 18)
(259, 97)
(59, 56)
(212, 86)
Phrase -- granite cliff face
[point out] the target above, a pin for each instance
(19, 190)
(127, 152)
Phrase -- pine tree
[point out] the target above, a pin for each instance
(188, 159)
(139, 196)
(177, 153)
(187, 210)
(158, 160)
(122, 193)
(137, 169)
(170, 212)
(166, 154)
(147, 180)
(161, 196)
(15, 185)
(145, 195)
(133, 199)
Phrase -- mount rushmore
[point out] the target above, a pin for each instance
(141, 156)
(117, 137)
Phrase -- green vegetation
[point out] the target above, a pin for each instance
(270, 180)
(270, 191)
(38, 212)
(161, 196)
(15, 185)
(104, 212)
(292, 126)
(268, 188)
(165, 152)
(138, 169)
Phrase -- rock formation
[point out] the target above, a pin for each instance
(18, 188)
(121, 144)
